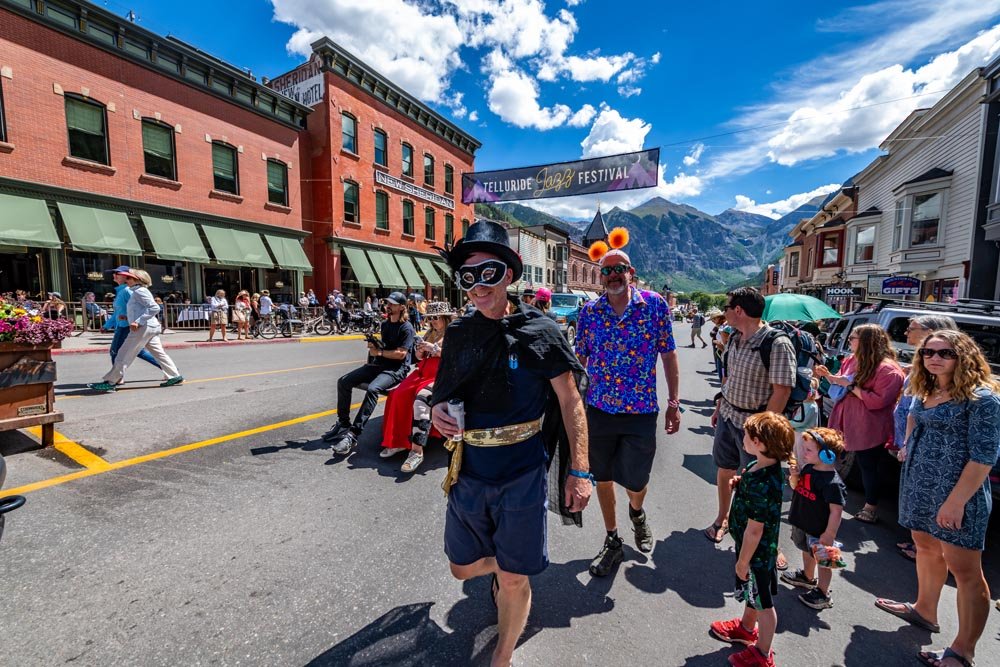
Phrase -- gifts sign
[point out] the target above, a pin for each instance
(614, 173)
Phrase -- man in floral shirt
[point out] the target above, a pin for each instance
(620, 337)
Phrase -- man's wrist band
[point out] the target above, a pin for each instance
(583, 475)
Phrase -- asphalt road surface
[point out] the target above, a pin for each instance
(207, 524)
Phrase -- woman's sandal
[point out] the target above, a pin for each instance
(907, 550)
(907, 613)
(716, 532)
(494, 590)
(866, 516)
(937, 658)
(781, 563)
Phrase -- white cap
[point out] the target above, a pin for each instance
(616, 253)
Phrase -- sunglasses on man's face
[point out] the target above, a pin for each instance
(617, 268)
(946, 353)
(488, 273)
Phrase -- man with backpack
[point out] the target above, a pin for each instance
(697, 322)
(760, 371)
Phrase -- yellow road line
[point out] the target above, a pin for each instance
(118, 465)
(226, 377)
(73, 450)
(326, 339)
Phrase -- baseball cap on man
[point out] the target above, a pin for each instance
(396, 299)
(121, 269)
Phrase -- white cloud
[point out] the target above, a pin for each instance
(694, 156)
(474, 116)
(779, 208)
(611, 134)
(930, 46)
(521, 40)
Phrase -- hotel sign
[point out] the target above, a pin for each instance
(304, 84)
(408, 188)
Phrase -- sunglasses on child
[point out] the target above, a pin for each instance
(617, 268)
(946, 353)
(488, 273)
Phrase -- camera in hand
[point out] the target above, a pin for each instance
(372, 340)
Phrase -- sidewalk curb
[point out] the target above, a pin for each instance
(199, 344)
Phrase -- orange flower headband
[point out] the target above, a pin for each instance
(617, 239)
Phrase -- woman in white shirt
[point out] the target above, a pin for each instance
(218, 315)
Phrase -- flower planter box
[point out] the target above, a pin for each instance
(27, 374)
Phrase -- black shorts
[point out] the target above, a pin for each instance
(761, 594)
(801, 539)
(622, 447)
(727, 447)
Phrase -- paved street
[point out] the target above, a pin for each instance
(215, 528)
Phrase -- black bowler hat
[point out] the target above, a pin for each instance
(484, 236)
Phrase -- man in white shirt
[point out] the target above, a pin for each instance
(266, 305)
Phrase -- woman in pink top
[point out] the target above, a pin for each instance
(872, 380)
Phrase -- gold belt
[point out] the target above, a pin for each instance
(497, 436)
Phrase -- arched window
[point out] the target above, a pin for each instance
(87, 123)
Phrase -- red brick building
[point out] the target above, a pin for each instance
(118, 145)
(383, 178)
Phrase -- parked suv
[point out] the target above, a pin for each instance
(979, 319)
(566, 308)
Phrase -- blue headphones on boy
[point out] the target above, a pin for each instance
(826, 455)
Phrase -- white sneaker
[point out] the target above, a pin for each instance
(390, 451)
(412, 462)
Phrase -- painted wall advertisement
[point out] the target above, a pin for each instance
(613, 173)
(304, 84)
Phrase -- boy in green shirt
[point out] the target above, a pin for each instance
(754, 520)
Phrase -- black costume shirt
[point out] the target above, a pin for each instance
(815, 492)
(396, 335)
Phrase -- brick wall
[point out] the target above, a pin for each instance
(331, 166)
(43, 62)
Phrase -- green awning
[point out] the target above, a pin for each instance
(239, 248)
(432, 275)
(288, 252)
(385, 267)
(99, 230)
(362, 269)
(410, 273)
(173, 239)
(26, 222)
(445, 270)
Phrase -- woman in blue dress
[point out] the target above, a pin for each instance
(953, 439)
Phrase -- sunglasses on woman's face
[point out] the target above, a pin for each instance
(617, 268)
(433, 318)
(489, 272)
(946, 353)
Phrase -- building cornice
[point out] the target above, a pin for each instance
(167, 56)
(339, 61)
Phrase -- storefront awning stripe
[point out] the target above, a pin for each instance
(176, 240)
(99, 230)
(288, 252)
(445, 270)
(385, 267)
(239, 248)
(578, 292)
(410, 273)
(432, 275)
(26, 222)
(362, 269)
(593, 295)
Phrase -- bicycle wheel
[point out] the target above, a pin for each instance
(286, 329)
(267, 330)
(323, 327)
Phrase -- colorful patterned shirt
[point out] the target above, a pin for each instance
(622, 352)
(758, 498)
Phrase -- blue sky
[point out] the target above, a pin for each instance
(755, 105)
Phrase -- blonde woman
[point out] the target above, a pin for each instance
(144, 334)
(241, 315)
(407, 420)
(218, 315)
(952, 442)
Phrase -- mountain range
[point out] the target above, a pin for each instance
(678, 245)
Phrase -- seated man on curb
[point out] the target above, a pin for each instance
(386, 367)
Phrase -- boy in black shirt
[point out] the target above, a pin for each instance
(817, 507)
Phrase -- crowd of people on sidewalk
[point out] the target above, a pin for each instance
(516, 405)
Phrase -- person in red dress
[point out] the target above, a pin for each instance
(407, 420)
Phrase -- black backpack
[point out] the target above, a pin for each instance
(806, 354)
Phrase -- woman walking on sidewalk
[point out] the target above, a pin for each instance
(218, 315)
(144, 334)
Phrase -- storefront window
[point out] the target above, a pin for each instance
(281, 284)
(90, 272)
(23, 270)
(231, 281)
(168, 278)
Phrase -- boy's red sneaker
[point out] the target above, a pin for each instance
(733, 632)
(751, 657)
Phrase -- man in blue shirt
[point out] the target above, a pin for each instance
(120, 319)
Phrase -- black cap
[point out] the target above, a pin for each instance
(484, 236)
(397, 299)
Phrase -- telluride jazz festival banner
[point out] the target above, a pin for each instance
(613, 173)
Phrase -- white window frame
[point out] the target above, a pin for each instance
(794, 260)
(903, 224)
(855, 234)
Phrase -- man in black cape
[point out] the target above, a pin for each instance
(517, 377)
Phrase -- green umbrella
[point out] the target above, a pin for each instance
(795, 308)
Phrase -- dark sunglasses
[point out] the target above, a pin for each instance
(728, 306)
(489, 272)
(617, 268)
(434, 318)
(946, 353)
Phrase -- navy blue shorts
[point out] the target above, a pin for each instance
(505, 520)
